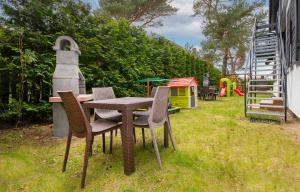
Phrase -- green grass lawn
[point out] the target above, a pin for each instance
(218, 149)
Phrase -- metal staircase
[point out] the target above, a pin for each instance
(265, 96)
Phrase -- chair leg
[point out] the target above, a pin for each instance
(171, 136)
(86, 159)
(143, 135)
(134, 137)
(116, 132)
(103, 142)
(111, 141)
(67, 151)
(91, 147)
(155, 147)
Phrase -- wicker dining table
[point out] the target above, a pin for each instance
(126, 105)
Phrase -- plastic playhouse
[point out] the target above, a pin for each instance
(228, 88)
(183, 92)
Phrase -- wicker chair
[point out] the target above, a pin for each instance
(157, 118)
(101, 93)
(143, 113)
(81, 128)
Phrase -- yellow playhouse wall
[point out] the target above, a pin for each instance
(180, 101)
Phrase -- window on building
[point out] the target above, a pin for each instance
(298, 30)
(181, 91)
(174, 92)
(293, 33)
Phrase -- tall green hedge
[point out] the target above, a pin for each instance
(113, 54)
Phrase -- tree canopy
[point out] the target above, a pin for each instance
(142, 12)
(227, 30)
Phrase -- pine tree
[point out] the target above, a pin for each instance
(227, 30)
(142, 12)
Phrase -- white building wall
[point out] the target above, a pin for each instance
(293, 89)
(293, 77)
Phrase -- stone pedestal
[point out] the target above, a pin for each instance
(60, 121)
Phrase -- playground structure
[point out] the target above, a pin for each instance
(229, 88)
(183, 92)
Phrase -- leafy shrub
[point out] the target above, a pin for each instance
(113, 54)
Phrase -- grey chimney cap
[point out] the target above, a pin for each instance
(61, 41)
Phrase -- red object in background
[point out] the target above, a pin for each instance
(237, 91)
(223, 92)
(182, 82)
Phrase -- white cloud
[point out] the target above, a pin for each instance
(198, 47)
(185, 7)
(182, 26)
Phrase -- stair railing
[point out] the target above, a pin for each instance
(249, 63)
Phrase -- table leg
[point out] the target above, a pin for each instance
(127, 141)
(166, 132)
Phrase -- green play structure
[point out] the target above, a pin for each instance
(226, 87)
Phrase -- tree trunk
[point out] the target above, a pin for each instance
(232, 62)
(224, 66)
(4, 86)
(233, 66)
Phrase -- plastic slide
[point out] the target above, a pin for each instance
(223, 92)
(237, 91)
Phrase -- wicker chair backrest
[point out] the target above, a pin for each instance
(158, 112)
(102, 93)
(153, 91)
(76, 117)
